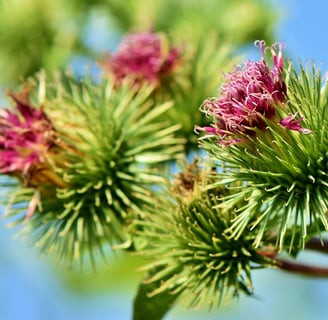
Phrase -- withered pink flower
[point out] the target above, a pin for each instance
(26, 134)
(143, 56)
(250, 94)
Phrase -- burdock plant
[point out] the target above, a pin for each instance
(261, 193)
(86, 155)
(86, 162)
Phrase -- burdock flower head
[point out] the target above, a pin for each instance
(26, 136)
(143, 56)
(251, 94)
(107, 145)
(192, 256)
(275, 128)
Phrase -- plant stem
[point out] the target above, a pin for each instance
(317, 244)
(297, 267)
(300, 268)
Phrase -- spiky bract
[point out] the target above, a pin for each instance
(193, 254)
(109, 145)
(283, 173)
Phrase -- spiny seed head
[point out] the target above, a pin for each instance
(111, 143)
(192, 252)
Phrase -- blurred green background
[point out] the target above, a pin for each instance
(50, 34)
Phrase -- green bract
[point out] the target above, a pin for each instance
(193, 254)
(108, 149)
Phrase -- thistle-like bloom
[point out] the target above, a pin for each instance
(143, 56)
(110, 144)
(283, 170)
(26, 135)
(250, 95)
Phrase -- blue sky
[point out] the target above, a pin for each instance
(30, 290)
(303, 30)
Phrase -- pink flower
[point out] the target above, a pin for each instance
(292, 124)
(26, 134)
(250, 94)
(143, 56)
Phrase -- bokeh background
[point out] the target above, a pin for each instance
(32, 288)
